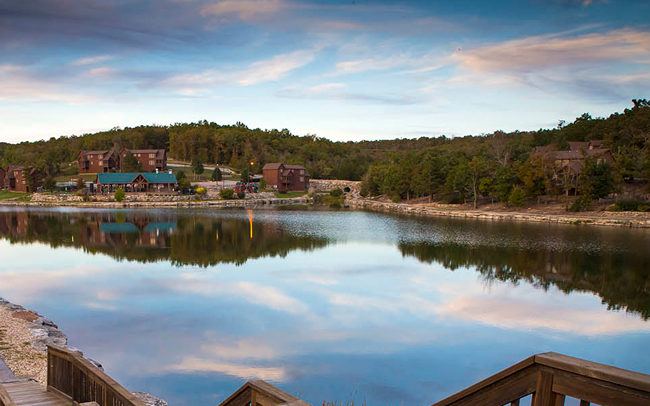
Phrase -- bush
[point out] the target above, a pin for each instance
(180, 175)
(395, 198)
(201, 191)
(49, 184)
(226, 193)
(241, 195)
(517, 197)
(263, 184)
(630, 205)
(336, 192)
(119, 195)
(582, 203)
(364, 192)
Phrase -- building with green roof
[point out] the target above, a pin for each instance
(137, 182)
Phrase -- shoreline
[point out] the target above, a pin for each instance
(597, 218)
(24, 337)
(600, 218)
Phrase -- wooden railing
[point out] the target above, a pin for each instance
(550, 378)
(5, 400)
(261, 393)
(76, 378)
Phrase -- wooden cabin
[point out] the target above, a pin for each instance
(136, 182)
(98, 161)
(286, 178)
(150, 159)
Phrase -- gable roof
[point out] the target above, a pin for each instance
(124, 178)
(272, 165)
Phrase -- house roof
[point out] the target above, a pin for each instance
(273, 165)
(160, 153)
(124, 178)
(580, 154)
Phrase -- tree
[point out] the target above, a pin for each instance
(49, 184)
(131, 164)
(245, 175)
(197, 167)
(119, 195)
(477, 167)
(216, 175)
(226, 193)
(81, 183)
(180, 175)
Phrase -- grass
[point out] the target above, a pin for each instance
(19, 196)
(289, 195)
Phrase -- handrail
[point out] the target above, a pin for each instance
(76, 378)
(5, 399)
(262, 393)
(550, 377)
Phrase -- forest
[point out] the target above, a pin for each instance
(498, 166)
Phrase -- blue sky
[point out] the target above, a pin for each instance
(345, 70)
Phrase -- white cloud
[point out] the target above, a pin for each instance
(92, 60)
(193, 364)
(267, 70)
(18, 84)
(246, 10)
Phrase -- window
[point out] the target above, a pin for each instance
(302, 171)
(152, 155)
(101, 162)
(152, 162)
(302, 179)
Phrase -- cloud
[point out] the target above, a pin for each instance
(18, 84)
(92, 60)
(272, 69)
(101, 72)
(193, 364)
(540, 52)
(258, 294)
(337, 91)
(242, 349)
(245, 10)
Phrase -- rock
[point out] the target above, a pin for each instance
(149, 399)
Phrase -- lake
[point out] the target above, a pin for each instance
(327, 305)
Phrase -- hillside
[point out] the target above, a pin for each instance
(452, 169)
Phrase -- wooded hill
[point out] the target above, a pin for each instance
(401, 168)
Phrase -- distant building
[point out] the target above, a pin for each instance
(286, 178)
(136, 182)
(16, 179)
(573, 159)
(98, 161)
(107, 161)
(150, 159)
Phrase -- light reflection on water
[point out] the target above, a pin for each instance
(328, 305)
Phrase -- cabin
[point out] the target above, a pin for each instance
(3, 177)
(286, 178)
(16, 178)
(150, 159)
(136, 182)
(98, 161)
(573, 159)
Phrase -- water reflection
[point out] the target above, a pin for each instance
(150, 236)
(329, 305)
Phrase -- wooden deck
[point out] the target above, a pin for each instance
(33, 394)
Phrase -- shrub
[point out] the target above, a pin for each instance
(364, 192)
(180, 175)
(119, 195)
(226, 193)
(201, 191)
(631, 205)
(241, 195)
(49, 184)
(395, 198)
(263, 184)
(583, 202)
(517, 197)
(336, 192)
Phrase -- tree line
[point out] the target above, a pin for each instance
(496, 167)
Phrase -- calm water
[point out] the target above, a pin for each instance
(327, 305)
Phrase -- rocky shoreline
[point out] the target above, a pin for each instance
(218, 204)
(604, 218)
(24, 337)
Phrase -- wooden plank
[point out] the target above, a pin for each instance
(635, 380)
(598, 391)
(5, 399)
(487, 382)
(544, 389)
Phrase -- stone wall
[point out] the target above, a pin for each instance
(326, 185)
(626, 219)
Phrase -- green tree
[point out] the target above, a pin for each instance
(245, 175)
(226, 193)
(216, 175)
(49, 184)
(119, 195)
(131, 164)
(180, 175)
(197, 167)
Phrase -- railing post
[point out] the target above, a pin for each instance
(544, 395)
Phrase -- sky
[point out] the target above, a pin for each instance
(344, 70)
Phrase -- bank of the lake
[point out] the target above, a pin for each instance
(24, 337)
(598, 218)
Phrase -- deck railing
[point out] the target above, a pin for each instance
(261, 393)
(550, 378)
(76, 378)
(5, 400)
